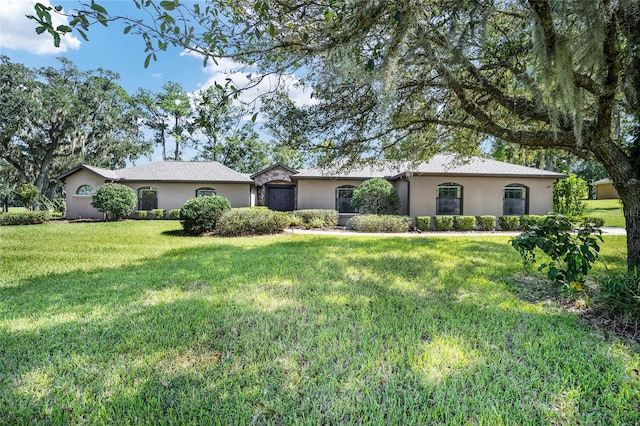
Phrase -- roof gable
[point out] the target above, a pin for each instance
(106, 174)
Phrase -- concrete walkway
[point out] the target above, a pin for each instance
(344, 232)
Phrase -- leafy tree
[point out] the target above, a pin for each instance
(177, 106)
(242, 151)
(52, 119)
(27, 194)
(214, 118)
(442, 75)
(569, 195)
(8, 183)
(376, 196)
(115, 199)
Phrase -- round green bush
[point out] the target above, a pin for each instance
(443, 223)
(201, 214)
(486, 223)
(376, 196)
(423, 222)
(464, 223)
(509, 223)
(115, 199)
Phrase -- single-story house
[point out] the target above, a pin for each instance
(605, 189)
(442, 186)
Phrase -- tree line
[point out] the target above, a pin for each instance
(55, 118)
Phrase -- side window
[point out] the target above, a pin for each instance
(449, 199)
(205, 192)
(515, 200)
(84, 190)
(344, 194)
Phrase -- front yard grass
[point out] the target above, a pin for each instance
(119, 323)
(609, 210)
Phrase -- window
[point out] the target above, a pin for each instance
(205, 192)
(344, 194)
(449, 199)
(147, 198)
(515, 200)
(84, 190)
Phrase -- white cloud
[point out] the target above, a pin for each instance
(242, 76)
(18, 32)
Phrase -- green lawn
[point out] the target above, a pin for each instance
(609, 210)
(104, 323)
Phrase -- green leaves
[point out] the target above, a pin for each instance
(572, 251)
(168, 5)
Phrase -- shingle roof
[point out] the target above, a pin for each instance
(442, 164)
(104, 173)
(182, 171)
(169, 171)
(602, 181)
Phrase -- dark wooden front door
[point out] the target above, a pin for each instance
(280, 197)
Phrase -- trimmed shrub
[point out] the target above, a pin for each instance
(464, 223)
(251, 221)
(509, 223)
(379, 223)
(294, 220)
(201, 214)
(329, 217)
(315, 222)
(142, 214)
(115, 200)
(158, 213)
(24, 218)
(596, 222)
(423, 222)
(376, 196)
(443, 223)
(486, 223)
(174, 214)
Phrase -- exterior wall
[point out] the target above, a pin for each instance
(606, 191)
(480, 195)
(170, 195)
(402, 186)
(173, 195)
(79, 206)
(320, 193)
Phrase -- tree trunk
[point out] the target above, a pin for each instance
(631, 208)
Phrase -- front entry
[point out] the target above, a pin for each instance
(280, 197)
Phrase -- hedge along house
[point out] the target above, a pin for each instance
(442, 186)
(164, 185)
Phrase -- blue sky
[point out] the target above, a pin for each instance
(109, 48)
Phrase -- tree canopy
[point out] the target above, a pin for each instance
(408, 79)
(52, 119)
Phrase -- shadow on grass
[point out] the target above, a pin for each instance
(329, 330)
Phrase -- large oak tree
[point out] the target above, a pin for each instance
(52, 119)
(415, 77)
